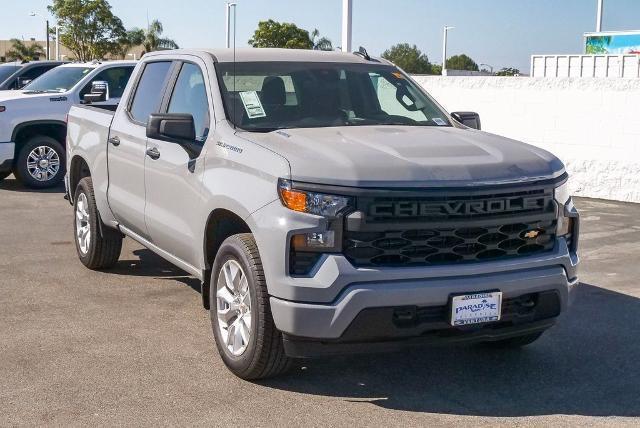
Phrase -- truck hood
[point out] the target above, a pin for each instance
(21, 95)
(407, 156)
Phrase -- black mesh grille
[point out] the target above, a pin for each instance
(392, 231)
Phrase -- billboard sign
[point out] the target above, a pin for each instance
(612, 43)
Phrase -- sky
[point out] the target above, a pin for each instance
(501, 33)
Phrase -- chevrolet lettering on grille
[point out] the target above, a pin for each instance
(459, 208)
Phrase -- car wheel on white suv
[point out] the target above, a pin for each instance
(40, 163)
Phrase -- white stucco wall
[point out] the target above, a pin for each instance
(593, 125)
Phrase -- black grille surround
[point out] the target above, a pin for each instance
(406, 230)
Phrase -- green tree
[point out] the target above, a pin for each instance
(508, 71)
(409, 58)
(88, 27)
(272, 34)
(132, 38)
(21, 52)
(461, 62)
(320, 43)
(153, 40)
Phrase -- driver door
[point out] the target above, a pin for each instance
(173, 178)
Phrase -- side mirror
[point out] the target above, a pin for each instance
(99, 92)
(467, 118)
(22, 82)
(176, 128)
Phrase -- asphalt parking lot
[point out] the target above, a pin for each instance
(133, 346)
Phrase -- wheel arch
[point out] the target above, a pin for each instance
(78, 169)
(55, 129)
(221, 223)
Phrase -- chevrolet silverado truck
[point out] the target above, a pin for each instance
(33, 120)
(326, 203)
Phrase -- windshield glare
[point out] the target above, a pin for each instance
(6, 71)
(265, 96)
(60, 79)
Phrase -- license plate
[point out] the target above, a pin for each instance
(476, 308)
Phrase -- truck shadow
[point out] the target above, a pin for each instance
(151, 265)
(589, 364)
(13, 185)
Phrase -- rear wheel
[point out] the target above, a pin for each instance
(40, 162)
(98, 246)
(515, 342)
(246, 336)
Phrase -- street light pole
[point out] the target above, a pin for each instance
(227, 12)
(57, 41)
(347, 20)
(599, 16)
(444, 50)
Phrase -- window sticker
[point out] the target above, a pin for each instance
(398, 75)
(439, 121)
(252, 104)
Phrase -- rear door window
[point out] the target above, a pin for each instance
(149, 92)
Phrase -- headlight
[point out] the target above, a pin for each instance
(311, 202)
(562, 193)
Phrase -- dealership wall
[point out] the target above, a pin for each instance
(592, 124)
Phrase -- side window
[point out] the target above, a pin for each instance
(190, 96)
(116, 77)
(149, 91)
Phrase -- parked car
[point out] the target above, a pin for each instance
(33, 120)
(326, 202)
(16, 75)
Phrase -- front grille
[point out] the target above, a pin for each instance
(392, 231)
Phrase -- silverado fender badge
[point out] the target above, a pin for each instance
(57, 99)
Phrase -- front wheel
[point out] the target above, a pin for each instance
(245, 334)
(98, 246)
(40, 163)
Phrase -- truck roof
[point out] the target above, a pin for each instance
(271, 54)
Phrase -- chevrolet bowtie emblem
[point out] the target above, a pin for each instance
(532, 234)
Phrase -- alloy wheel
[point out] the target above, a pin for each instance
(83, 225)
(43, 163)
(233, 299)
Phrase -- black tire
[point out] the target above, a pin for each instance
(105, 243)
(21, 170)
(264, 355)
(4, 175)
(515, 342)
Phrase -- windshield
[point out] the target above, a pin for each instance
(6, 71)
(60, 79)
(265, 96)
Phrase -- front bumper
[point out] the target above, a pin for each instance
(6, 156)
(332, 320)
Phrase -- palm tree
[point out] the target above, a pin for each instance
(153, 40)
(132, 38)
(21, 52)
(320, 43)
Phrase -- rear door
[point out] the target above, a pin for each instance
(128, 144)
(173, 179)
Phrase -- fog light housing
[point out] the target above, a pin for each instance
(314, 241)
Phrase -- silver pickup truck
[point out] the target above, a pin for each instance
(327, 204)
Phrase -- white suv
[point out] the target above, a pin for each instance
(33, 120)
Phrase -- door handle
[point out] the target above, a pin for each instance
(153, 153)
(114, 140)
